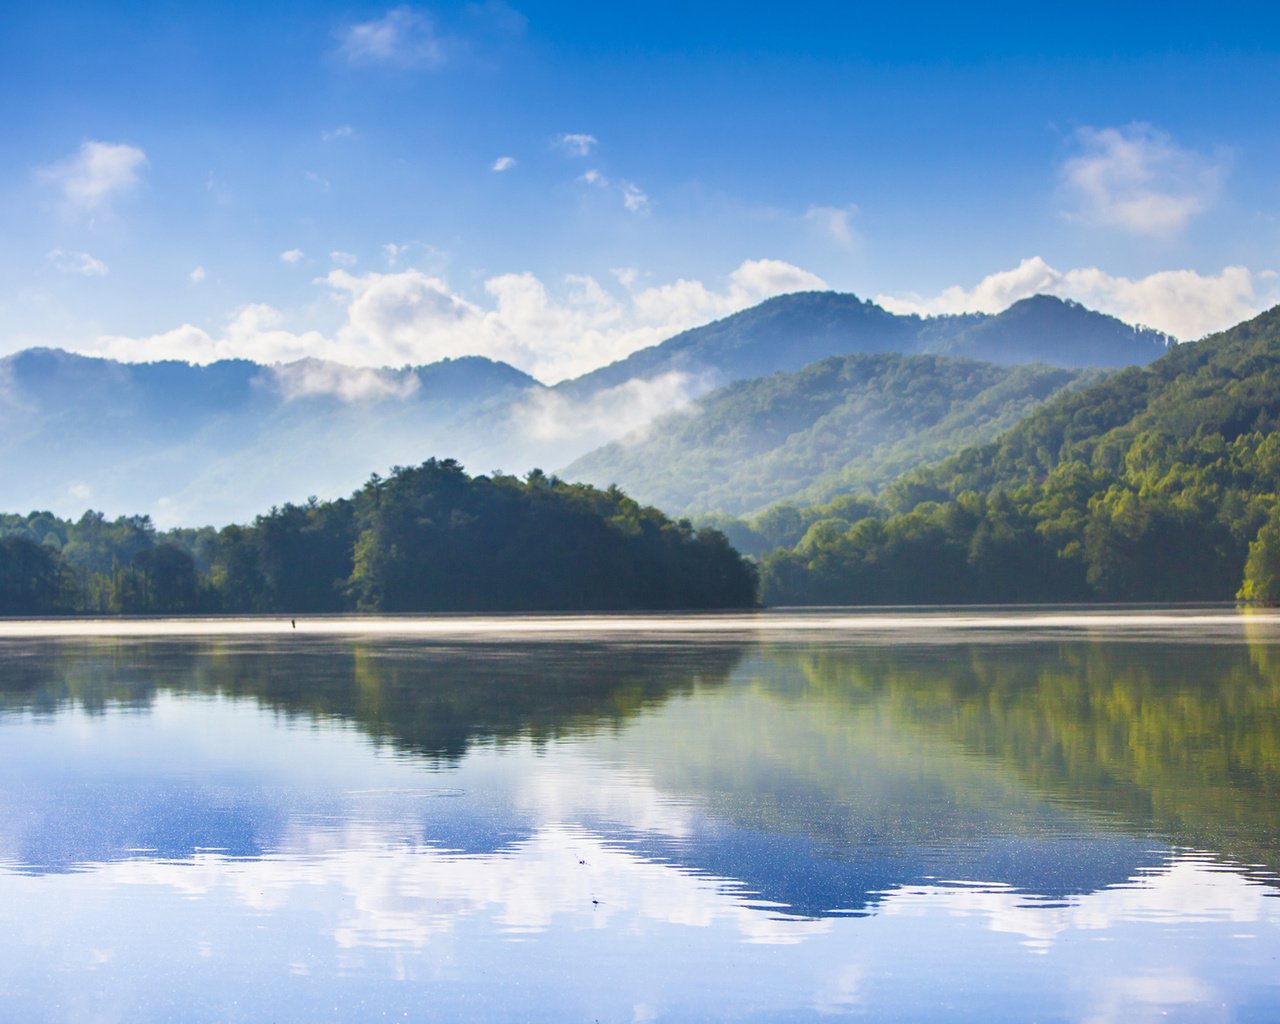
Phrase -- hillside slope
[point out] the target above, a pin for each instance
(842, 425)
(1150, 485)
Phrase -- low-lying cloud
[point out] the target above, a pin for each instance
(1183, 303)
(612, 412)
(309, 378)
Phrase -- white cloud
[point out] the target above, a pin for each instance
(1137, 179)
(255, 332)
(291, 256)
(504, 163)
(634, 198)
(412, 317)
(577, 143)
(319, 181)
(343, 131)
(97, 173)
(197, 275)
(594, 177)
(833, 223)
(344, 259)
(403, 37)
(312, 377)
(1184, 303)
(551, 416)
(688, 303)
(77, 263)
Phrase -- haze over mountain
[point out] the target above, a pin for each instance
(841, 425)
(222, 442)
(193, 444)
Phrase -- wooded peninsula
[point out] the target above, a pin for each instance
(425, 538)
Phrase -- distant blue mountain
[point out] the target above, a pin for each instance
(191, 444)
(219, 443)
(791, 331)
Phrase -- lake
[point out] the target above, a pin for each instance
(1002, 815)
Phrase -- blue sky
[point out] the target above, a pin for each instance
(558, 184)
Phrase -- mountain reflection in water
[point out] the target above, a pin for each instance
(770, 785)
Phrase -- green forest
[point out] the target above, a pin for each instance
(1160, 483)
(1154, 483)
(841, 425)
(425, 538)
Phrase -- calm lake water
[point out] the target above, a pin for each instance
(1003, 816)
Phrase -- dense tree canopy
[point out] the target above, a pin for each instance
(1149, 486)
(426, 538)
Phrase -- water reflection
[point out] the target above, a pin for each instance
(639, 830)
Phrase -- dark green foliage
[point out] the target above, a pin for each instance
(1148, 486)
(843, 425)
(304, 556)
(428, 538)
(30, 577)
(433, 538)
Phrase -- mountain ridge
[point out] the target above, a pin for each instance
(223, 440)
(761, 340)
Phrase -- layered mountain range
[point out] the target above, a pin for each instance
(219, 443)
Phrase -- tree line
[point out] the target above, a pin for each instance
(424, 538)
(1161, 483)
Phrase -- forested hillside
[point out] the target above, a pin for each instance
(186, 443)
(842, 425)
(1151, 485)
(426, 538)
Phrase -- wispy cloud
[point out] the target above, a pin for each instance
(342, 131)
(1139, 180)
(834, 223)
(620, 410)
(97, 173)
(307, 378)
(1184, 303)
(634, 198)
(292, 256)
(504, 163)
(197, 275)
(577, 143)
(403, 37)
(77, 263)
(343, 259)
